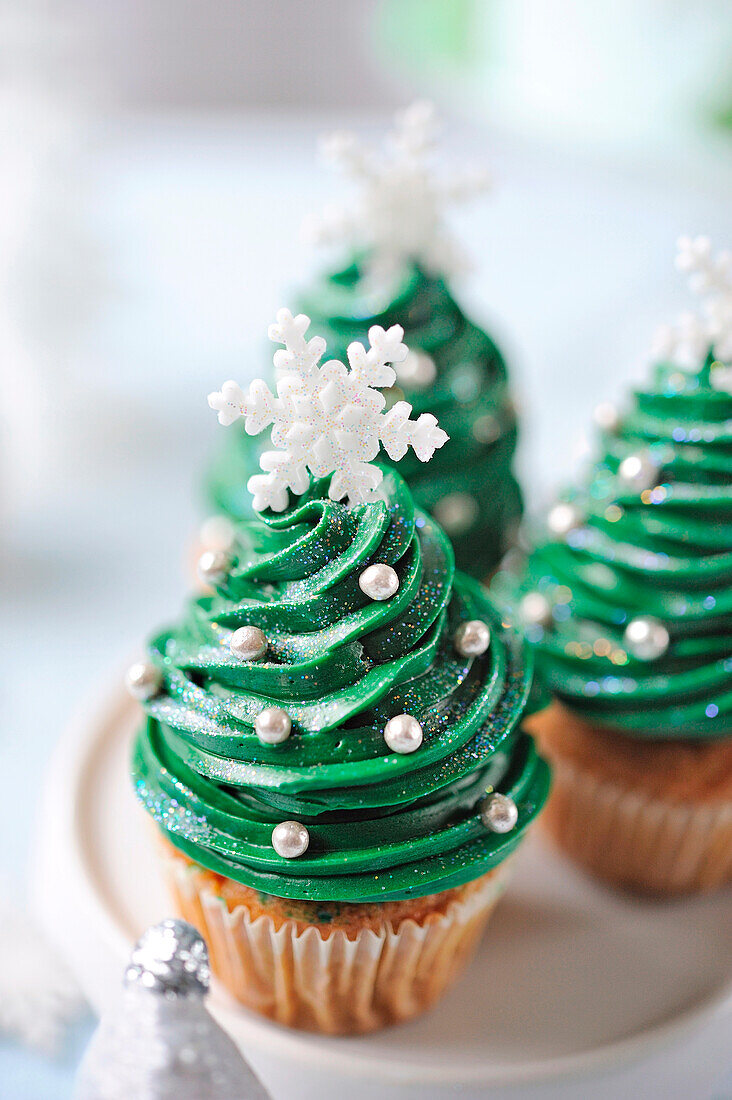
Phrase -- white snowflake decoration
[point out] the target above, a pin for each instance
(688, 342)
(327, 419)
(398, 215)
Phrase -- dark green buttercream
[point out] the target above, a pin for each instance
(382, 825)
(664, 552)
(469, 398)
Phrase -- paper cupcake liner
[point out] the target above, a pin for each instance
(637, 841)
(334, 983)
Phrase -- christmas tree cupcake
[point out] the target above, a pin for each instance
(400, 256)
(333, 751)
(628, 600)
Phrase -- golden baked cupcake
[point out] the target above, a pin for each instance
(333, 753)
(627, 598)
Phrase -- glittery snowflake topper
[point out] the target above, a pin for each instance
(329, 418)
(695, 334)
(398, 214)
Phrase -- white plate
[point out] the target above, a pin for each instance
(575, 992)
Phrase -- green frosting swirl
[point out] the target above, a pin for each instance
(469, 397)
(664, 551)
(382, 825)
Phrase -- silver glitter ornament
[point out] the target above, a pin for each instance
(213, 567)
(563, 518)
(638, 472)
(417, 372)
(472, 638)
(290, 839)
(248, 643)
(159, 1042)
(499, 813)
(379, 581)
(170, 958)
(536, 609)
(403, 734)
(607, 417)
(143, 680)
(456, 512)
(646, 638)
(273, 726)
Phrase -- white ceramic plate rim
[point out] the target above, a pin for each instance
(59, 820)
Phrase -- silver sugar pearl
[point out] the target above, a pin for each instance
(217, 533)
(563, 518)
(273, 726)
(143, 680)
(170, 958)
(456, 513)
(536, 609)
(391, 395)
(600, 575)
(379, 581)
(403, 734)
(472, 638)
(486, 428)
(417, 371)
(646, 638)
(213, 567)
(248, 643)
(290, 839)
(499, 813)
(639, 472)
(607, 417)
(466, 382)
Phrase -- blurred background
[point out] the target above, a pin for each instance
(156, 160)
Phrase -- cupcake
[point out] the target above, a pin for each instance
(333, 756)
(627, 598)
(397, 269)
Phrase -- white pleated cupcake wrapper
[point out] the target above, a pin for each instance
(335, 984)
(640, 841)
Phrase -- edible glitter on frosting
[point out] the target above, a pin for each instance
(382, 825)
(664, 552)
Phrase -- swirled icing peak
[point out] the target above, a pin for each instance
(303, 732)
(628, 592)
(399, 253)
